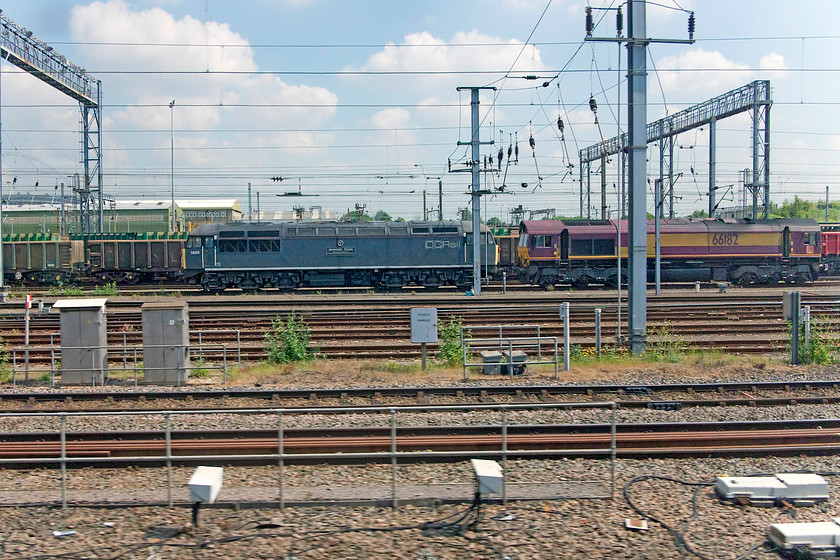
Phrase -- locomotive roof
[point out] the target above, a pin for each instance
(215, 227)
(549, 227)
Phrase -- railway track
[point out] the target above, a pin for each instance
(181, 290)
(662, 396)
(377, 327)
(645, 440)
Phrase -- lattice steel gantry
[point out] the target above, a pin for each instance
(19, 47)
(753, 97)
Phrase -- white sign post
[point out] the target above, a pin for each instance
(423, 329)
(28, 306)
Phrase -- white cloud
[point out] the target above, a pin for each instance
(208, 98)
(390, 118)
(428, 53)
(699, 70)
(772, 61)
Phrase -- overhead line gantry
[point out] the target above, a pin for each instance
(753, 97)
(20, 47)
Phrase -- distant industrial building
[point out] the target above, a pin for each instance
(314, 213)
(27, 214)
(204, 211)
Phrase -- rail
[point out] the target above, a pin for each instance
(281, 457)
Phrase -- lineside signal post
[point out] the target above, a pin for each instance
(423, 329)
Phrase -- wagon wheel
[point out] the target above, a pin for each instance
(610, 283)
(746, 279)
(581, 282)
(774, 278)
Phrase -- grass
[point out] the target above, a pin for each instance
(611, 367)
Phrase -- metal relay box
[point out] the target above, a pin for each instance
(166, 342)
(799, 489)
(818, 540)
(84, 341)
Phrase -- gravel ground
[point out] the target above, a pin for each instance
(551, 528)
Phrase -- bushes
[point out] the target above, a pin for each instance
(5, 371)
(288, 341)
(449, 342)
(664, 346)
(820, 348)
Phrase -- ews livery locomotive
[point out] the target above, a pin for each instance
(290, 255)
(745, 252)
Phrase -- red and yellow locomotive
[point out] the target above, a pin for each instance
(745, 252)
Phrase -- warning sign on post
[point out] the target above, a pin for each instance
(424, 324)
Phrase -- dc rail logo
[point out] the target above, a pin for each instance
(442, 244)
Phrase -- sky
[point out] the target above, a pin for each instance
(356, 102)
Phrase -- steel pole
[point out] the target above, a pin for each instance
(172, 160)
(658, 201)
(712, 156)
(637, 129)
(2, 272)
(476, 196)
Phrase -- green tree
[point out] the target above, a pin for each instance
(354, 216)
(799, 208)
(382, 216)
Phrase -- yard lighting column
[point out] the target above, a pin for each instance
(172, 161)
(1, 187)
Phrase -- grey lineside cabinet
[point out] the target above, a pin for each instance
(166, 342)
(84, 341)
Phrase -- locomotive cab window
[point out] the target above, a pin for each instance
(208, 242)
(523, 239)
(193, 243)
(541, 241)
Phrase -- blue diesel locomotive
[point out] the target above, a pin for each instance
(289, 255)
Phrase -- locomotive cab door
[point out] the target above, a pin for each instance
(786, 243)
(208, 252)
(564, 245)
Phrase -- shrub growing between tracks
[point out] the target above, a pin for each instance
(820, 348)
(5, 371)
(109, 289)
(664, 346)
(288, 341)
(449, 342)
